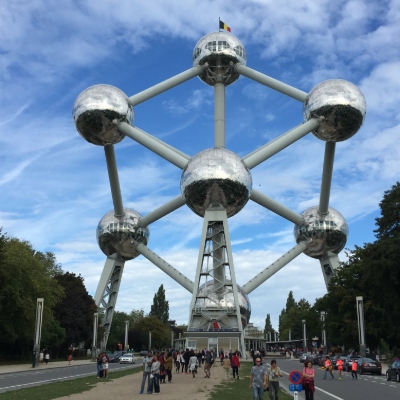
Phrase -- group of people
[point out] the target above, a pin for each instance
(44, 356)
(102, 365)
(157, 366)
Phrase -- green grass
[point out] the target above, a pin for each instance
(239, 389)
(63, 388)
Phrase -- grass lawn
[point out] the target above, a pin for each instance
(238, 389)
(62, 388)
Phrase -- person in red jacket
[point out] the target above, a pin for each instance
(235, 364)
(339, 364)
(354, 370)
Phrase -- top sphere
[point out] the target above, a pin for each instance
(121, 235)
(216, 178)
(328, 233)
(219, 49)
(341, 104)
(94, 111)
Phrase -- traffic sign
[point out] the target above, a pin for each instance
(295, 377)
(295, 388)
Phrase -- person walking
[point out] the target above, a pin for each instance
(177, 362)
(235, 364)
(186, 357)
(41, 357)
(99, 366)
(193, 364)
(226, 365)
(258, 379)
(328, 367)
(155, 374)
(207, 364)
(168, 366)
(104, 365)
(146, 368)
(182, 361)
(339, 364)
(354, 370)
(308, 381)
(46, 358)
(69, 359)
(273, 373)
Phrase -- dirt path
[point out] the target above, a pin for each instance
(129, 386)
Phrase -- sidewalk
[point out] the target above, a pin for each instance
(7, 369)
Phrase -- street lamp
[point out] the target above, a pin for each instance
(38, 332)
(361, 328)
(94, 344)
(303, 321)
(324, 348)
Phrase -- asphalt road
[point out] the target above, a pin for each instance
(25, 379)
(365, 387)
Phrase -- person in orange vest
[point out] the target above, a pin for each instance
(339, 364)
(354, 370)
(328, 367)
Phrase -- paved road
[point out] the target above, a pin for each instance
(365, 387)
(42, 375)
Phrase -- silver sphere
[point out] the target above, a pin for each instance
(94, 111)
(121, 235)
(223, 298)
(341, 104)
(219, 50)
(328, 232)
(216, 178)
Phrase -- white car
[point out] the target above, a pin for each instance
(127, 358)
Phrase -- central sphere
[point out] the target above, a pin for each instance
(328, 233)
(219, 50)
(121, 235)
(216, 178)
(223, 298)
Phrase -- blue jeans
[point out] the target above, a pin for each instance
(99, 367)
(146, 375)
(156, 383)
(258, 392)
(326, 371)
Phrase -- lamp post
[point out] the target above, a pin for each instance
(126, 345)
(94, 344)
(303, 321)
(324, 347)
(290, 335)
(361, 328)
(38, 332)
(149, 340)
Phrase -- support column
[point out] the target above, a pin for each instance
(219, 115)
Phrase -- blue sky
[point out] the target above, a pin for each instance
(54, 185)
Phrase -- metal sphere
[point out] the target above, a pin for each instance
(328, 232)
(216, 178)
(223, 298)
(342, 106)
(121, 235)
(219, 50)
(94, 111)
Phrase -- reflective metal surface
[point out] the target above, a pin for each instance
(95, 109)
(328, 232)
(223, 298)
(120, 235)
(219, 49)
(341, 104)
(216, 178)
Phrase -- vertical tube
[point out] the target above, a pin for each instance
(326, 177)
(114, 180)
(361, 328)
(126, 345)
(290, 335)
(94, 345)
(303, 321)
(219, 115)
(149, 340)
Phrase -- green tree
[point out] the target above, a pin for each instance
(160, 306)
(268, 325)
(160, 333)
(117, 331)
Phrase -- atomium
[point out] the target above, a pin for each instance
(120, 236)
(223, 298)
(220, 50)
(216, 178)
(94, 111)
(328, 233)
(342, 106)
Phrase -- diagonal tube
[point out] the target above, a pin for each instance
(274, 268)
(114, 180)
(165, 267)
(326, 177)
(271, 82)
(166, 85)
(162, 211)
(278, 144)
(157, 146)
(274, 206)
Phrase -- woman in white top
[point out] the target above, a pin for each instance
(193, 363)
(155, 371)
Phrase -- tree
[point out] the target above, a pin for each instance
(117, 331)
(268, 325)
(160, 333)
(75, 311)
(160, 307)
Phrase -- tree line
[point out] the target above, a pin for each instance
(371, 271)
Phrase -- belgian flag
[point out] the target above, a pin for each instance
(224, 26)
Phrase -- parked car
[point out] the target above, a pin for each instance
(369, 365)
(114, 358)
(349, 360)
(393, 371)
(143, 353)
(127, 358)
(304, 357)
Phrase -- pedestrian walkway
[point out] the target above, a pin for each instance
(6, 369)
